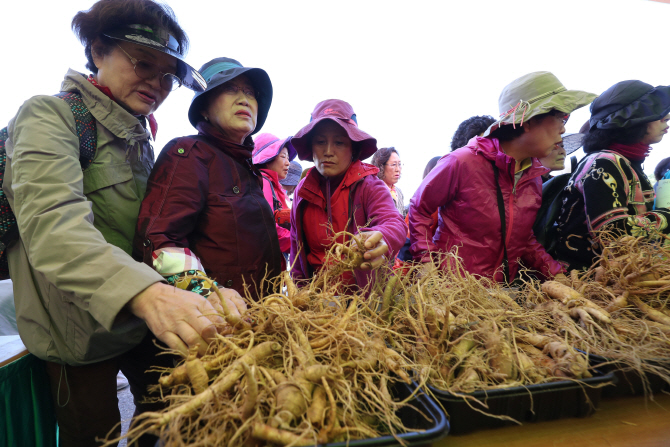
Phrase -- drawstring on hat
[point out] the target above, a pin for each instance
(525, 105)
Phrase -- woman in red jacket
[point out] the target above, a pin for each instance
(204, 209)
(273, 157)
(340, 193)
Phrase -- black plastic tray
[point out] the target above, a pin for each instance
(629, 382)
(533, 403)
(434, 429)
(415, 418)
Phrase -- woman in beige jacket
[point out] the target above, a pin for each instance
(83, 304)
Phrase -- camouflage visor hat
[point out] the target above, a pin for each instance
(535, 94)
(161, 40)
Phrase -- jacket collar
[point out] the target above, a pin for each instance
(274, 179)
(107, 112)
(356, 172)
(235, 150)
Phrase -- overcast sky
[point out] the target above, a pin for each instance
(411, 70)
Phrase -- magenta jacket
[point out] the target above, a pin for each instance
(462, 186)
(369, 200)
(283, 234)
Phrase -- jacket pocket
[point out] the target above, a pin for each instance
(99, 177)
(112, 189)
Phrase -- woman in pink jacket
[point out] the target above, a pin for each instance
(273, 157)
(489, 191)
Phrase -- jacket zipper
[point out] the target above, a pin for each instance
(330, 215)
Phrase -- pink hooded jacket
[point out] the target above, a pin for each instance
(462, 186)
(273, 182)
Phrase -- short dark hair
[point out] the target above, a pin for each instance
(381, 157)
(430, 165)
(661, 168)
(469, 128)
(107, 15)
(599, 139)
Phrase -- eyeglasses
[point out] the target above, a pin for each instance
(147, 70)
(395, 165)
(232, 89)
(561, 116)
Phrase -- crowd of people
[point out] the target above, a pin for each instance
(116, 250)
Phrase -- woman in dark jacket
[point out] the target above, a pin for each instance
(609, 190)
(204, 210)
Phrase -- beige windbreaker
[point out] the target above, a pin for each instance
(72, 270)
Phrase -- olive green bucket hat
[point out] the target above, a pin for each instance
(535, 94)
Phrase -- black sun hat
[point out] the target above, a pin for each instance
(223, 69)
(161, 40)
(629, 103)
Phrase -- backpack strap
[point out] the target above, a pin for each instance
(276, 204)
(87, 134)
(503, 223)
(85, 124)
(8, 230)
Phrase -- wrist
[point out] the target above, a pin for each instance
(137, 304)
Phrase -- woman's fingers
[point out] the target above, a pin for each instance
(179, 318)
(377, 249)
(372, 238)
(235, 302)
(174, 342)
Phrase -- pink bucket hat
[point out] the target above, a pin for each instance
(267, 147)
(343, 114)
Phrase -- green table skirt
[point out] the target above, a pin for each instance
(27, 417)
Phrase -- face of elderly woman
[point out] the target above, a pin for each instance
(117, 72)
(234, 109)
(280, 164)
(556, 158)
(392, 169)
(331, 148)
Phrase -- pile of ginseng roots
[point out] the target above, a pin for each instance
(466, 334)
(621, 306)
(317, 364)
(303, 367)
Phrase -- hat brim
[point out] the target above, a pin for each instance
(258, 77)
(652, 106)
(572, 142)
(366, 143)
(292, 179)
(190, 77)
(271, 152)
(567, 102)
